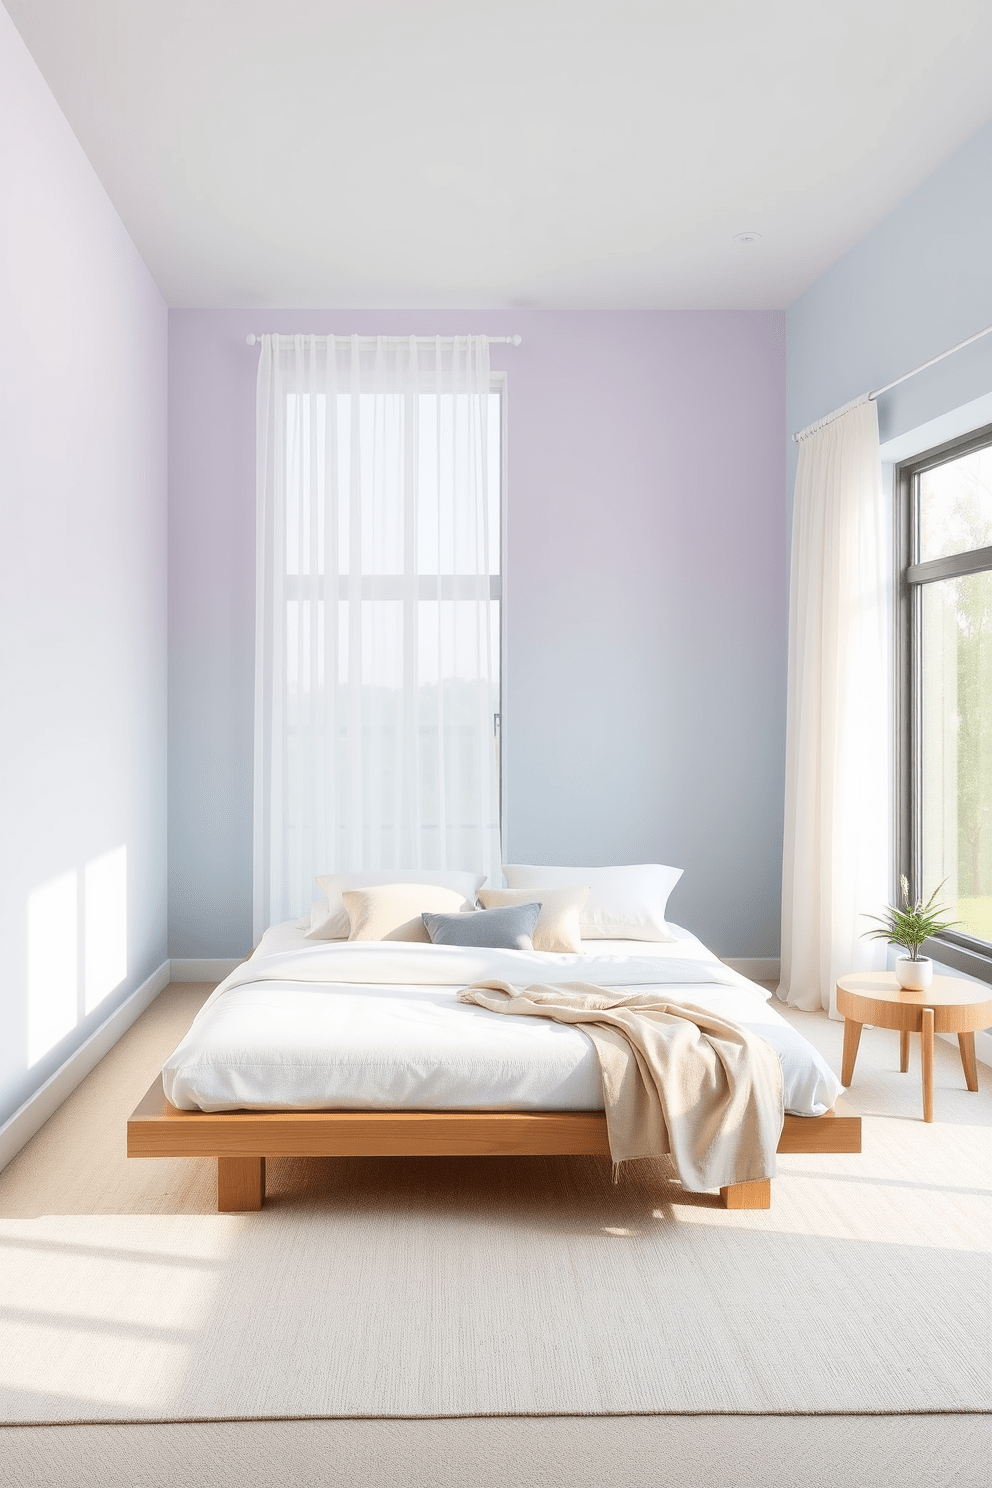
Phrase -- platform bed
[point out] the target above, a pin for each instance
(242, 1140)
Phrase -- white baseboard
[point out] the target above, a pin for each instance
(755, 968)
(35, 1111)
(983, 1045)
(204, 970)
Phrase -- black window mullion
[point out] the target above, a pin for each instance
(966, 952)
(975, 560)
(915, 617)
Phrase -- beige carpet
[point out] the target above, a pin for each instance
(449, 1287)
(509, 1452)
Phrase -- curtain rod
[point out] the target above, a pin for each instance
(819, 423)
(251, 338)
(932, 362)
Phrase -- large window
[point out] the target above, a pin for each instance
(946, 654)
(379, 611)
(416, 585)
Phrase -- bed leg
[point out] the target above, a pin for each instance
(240, 1184)
(756, 1195)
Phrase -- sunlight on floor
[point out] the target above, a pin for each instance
(845, 1201)
(101, 1325)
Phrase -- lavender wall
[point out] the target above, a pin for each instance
(645, 590)
(83, 364)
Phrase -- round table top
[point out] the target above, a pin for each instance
(876, 998)
(944, 991)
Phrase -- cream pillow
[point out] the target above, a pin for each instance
(329, 918)
(625, 903)
(558, 924)
(393, 911)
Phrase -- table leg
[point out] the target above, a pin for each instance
(927, 1051)
(903, 1050)
(966, 1043)
(852, 1038)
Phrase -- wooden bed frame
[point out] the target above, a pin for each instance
(242, 1140)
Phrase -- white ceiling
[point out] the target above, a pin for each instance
(513, 152)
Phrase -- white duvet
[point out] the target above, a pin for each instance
(377, 1026)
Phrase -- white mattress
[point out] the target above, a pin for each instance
(305, 1025)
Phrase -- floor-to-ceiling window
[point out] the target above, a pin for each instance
(945, 506)
(380, 611)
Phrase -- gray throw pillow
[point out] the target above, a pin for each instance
(507, 929)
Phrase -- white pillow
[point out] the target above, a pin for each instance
(624, 903)
(395, 911)
(329, 918)
(557, 927)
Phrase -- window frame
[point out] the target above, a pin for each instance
(497, 384)
(964, 953)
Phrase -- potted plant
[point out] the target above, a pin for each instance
(910, 927)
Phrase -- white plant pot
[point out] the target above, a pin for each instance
(915, 976)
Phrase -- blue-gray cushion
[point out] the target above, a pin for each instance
(507, 929)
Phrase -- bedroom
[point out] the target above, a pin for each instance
(662, 370)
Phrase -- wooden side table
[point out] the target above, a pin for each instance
(948, 1005)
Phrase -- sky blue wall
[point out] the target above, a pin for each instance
(921, 281)
(645, 592)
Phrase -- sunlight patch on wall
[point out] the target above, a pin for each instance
(52, 964)
(105, 899)
(72, 967)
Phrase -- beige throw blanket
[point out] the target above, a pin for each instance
(676, 1078)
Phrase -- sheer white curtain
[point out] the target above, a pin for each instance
(377, 611)
(838, 742)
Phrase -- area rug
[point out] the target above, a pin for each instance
(518, 1286)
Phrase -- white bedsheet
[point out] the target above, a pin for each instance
(308, 1025)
